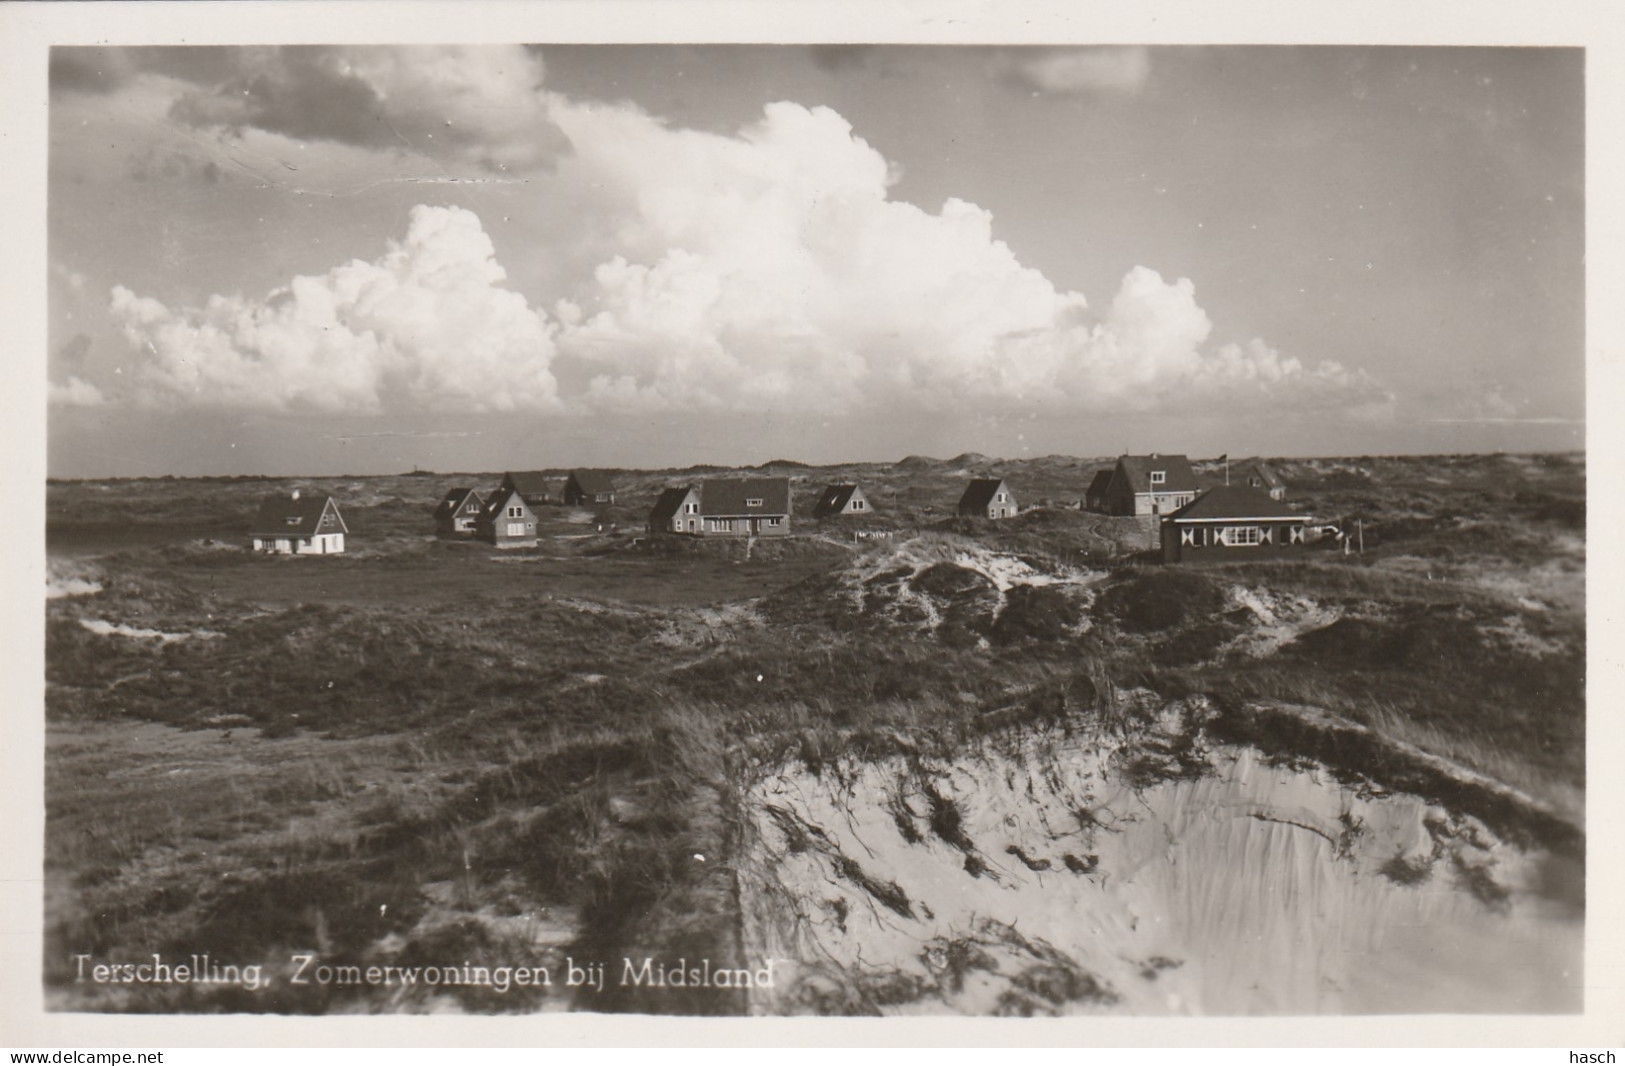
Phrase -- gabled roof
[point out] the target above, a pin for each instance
(1097, 486)
(531, 483)
(665, 508)
(293, 516)
(1264, 473)
(980, 492)
(454, 500)
(833, 499)
(1233, 501)
(1137, 468)
(726, 498)
(593, 482)
(498, 500)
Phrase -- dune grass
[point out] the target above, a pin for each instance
(542, 756)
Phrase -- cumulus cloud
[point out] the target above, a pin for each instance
(763, 270)
(479, 105)
(772, 268)
(1071, 71)
(427, 326)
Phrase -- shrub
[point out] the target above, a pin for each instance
(1155, 600)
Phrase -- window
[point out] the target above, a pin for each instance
(516, 529)
(1295, 535)
(753, 503)
(857, 505)
(1001, 497)
(1159, 477)
(691, 508)
(293, 521)
(516, 512)
(1241, 536)
(772, 521)
(1187, 537)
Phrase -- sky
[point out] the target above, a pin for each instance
(326, 260)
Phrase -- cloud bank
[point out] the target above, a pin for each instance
(477, 105)
(771, 268)
(764, 270)
(428, 326)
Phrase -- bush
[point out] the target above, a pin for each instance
(1156, 600)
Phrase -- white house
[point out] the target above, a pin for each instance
(299, 525)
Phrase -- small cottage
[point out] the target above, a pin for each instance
(458, 513)
(299, 525)
(507, 521)
(987, 498)
(586, 488)
(837, 500)
(1149, 485)
(1233, 522)
(533, 485)
(1094, 498)
(1258, 476)
(676, 511)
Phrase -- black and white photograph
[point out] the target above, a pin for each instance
(758, 529)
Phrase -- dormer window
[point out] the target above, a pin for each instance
(1159, 477)
(754, 502)
(292, 520)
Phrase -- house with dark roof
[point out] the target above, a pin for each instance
(1094, 498)
(1233, 522)
(745, 507)
(987, 497)
(1256, 475)
(585, 488)
(677, 510)
(508, 520)
(1149, 484)
(837, 500)
(458, 513)
(727, 507)
(533, 485)
(299, 525)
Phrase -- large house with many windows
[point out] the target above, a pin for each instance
(730, 507)
(1147, 485)
(1233, 522)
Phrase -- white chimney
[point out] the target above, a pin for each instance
(296, 494)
